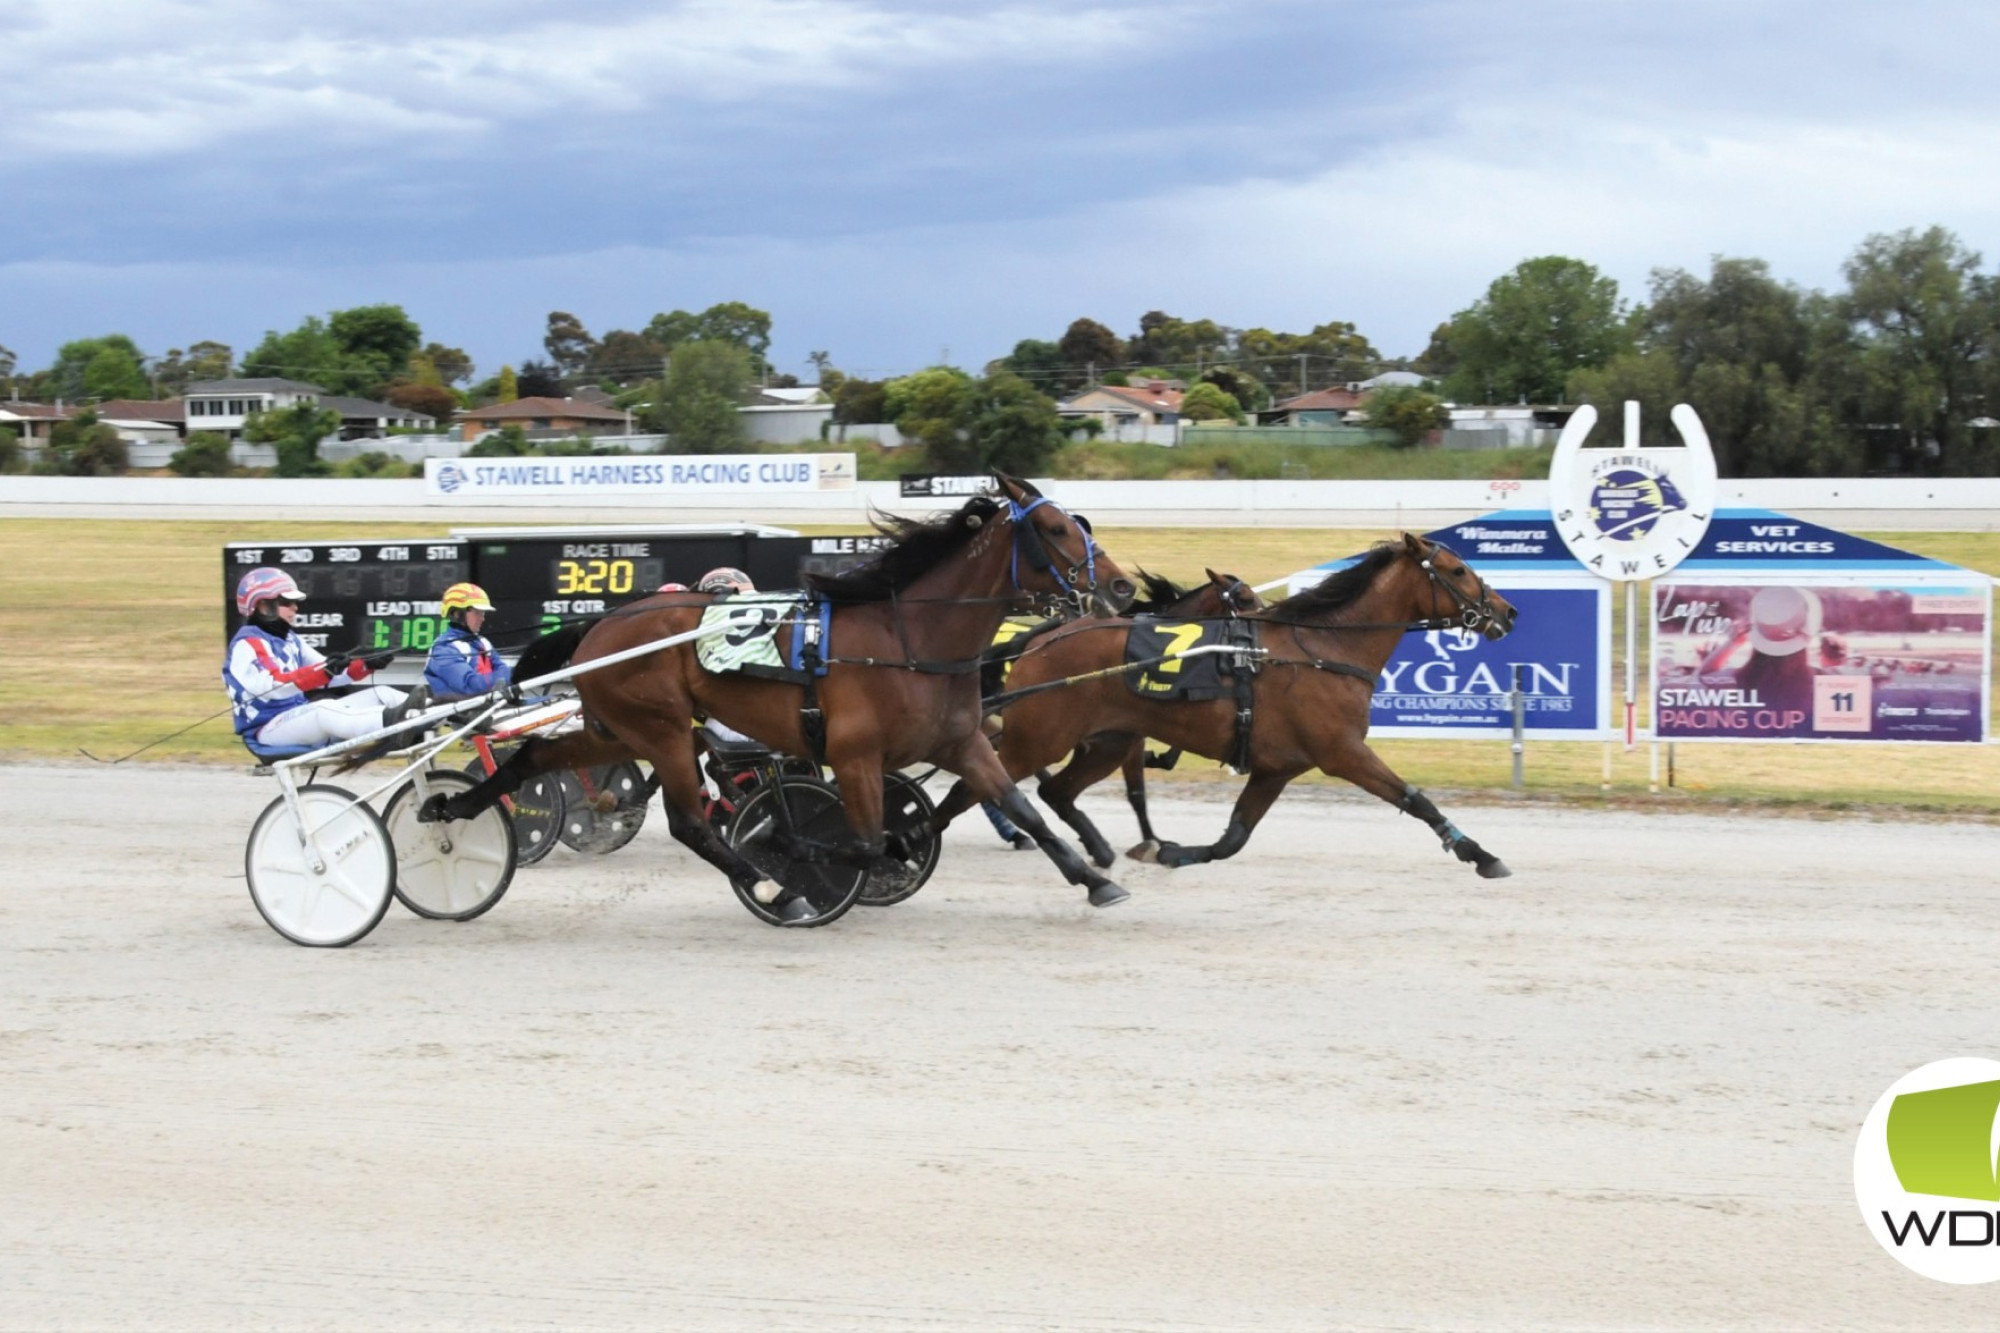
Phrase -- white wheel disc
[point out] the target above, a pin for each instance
(452, 871)
(337, 900)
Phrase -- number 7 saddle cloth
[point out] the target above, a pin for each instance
(774, 635)
(1181, 679)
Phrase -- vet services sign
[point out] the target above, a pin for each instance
(667, 476)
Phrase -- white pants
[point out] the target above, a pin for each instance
(324, 721)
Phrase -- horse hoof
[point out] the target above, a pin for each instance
(604, 802)
(798, 912)
(1107, 894)
(766, 891)
(1494, 869)
(435, 810)
(1148, 850)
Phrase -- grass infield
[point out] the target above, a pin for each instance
(111, 635)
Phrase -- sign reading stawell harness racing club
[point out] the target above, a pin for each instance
(1633, 512)
(667, 476)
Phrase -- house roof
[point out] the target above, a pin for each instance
(575, 409)
(1321, 400)
(1151, 399)
(34, 412)
(141, 409)
(803, 395)
(209, 387)
(364, 407)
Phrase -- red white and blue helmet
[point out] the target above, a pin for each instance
(724, 579)
(260, 585)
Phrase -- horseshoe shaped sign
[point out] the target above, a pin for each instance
(1634, 512)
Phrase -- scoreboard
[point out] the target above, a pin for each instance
(360, 594)
(382, 595)
(540, 579)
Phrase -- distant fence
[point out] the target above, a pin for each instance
(1323, 437)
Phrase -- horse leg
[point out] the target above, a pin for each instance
(1251, 804)
(955, 803)
(1093, 761)
(986, 779)
(1135, 793)
(1364, 768)
(860, 779)
(535, 757)
(673, 763)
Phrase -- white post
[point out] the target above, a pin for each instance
(1631, 611)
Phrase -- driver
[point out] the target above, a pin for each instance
(462, 662)
(270, 672)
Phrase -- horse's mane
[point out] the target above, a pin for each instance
(920, 544)
(1338, 590)
(1160, 594)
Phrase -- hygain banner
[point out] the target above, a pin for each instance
(1634, 512)
(1925, 1172)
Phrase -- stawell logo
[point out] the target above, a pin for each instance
(1927, 1170)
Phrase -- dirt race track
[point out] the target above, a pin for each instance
(1338, 1081)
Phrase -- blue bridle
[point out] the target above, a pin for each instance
(1042, 557)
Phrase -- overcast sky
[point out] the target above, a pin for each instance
(892, 180)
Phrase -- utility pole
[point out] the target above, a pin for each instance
(1302, 374)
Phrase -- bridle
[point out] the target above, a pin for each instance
(1077, 582)
(1472, 615)
(1239, 598)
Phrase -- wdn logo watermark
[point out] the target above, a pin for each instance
(1927, 1170)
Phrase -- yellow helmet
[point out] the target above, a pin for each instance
(464, 597)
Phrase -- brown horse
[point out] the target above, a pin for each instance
(1221, 595)
(1322, 651)
(901, 684)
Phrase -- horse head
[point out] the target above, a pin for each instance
(1056, 555)
(1233, 596)
(1451, 594)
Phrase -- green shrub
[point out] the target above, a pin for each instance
(375, 464)
(206, 454)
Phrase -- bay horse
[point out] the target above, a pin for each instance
(1221, 595)
(901, 683)
(1323, 650)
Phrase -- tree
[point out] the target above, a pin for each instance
(13, 458)
(296, 432)
(510, 441)
(7, 363)
(454, 366)
(81, 446)
(1240, 385)
(1006, 424)
(1926, 321)
(309, 354)
(1206, 402)
(1169, 342)
(538, 379)
(625, 357)
(206, 454)
(568, 343)
(381, 338)
(107, 367)
(433, 400)
(510, 388)
(201, 361)
(1408, 411)
(1040, 363)
(1521, 341)
(929, 407)
(822, 362)
(1751, 354)
(1086, 344)
(705, 383)
(860, 403)
(734, 322)
(1333, 353)
(1439, 358)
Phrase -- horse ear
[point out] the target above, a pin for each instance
(1009, 487)
(1416, 545)
(1213, 577)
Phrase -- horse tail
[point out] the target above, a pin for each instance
(552, 651)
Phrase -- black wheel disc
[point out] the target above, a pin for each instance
(588, 829)
(796, 857)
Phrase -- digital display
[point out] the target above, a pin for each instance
(360, 595)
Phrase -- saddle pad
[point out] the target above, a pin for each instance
(752, 646)
(1184, 679)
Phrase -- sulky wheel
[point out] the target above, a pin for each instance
(328, 891)
(588, 828)
(537, 810)
(448, 871)
(906, 814)
(790, 845)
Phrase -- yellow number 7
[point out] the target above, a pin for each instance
(1182, 637)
